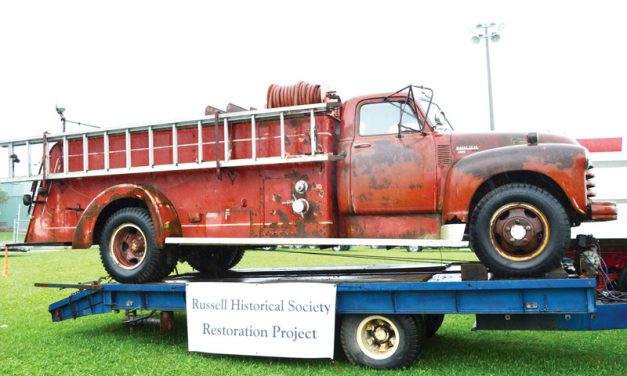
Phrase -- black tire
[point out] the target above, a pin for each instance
(413, 248)
(214, 260)
(379, 341)
(433, 322)
(338, 248)
(622, 280)
(128, 250)
(519, 230)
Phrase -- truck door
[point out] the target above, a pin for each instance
(391, 174)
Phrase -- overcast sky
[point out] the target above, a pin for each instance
(560, 65)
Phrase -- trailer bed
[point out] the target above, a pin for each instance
(556, 304)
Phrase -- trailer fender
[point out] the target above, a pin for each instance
(564, 164)
(162, 212)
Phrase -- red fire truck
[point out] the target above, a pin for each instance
(309, 169)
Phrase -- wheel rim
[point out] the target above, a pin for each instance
(128, 246)
(519, 231)
(378, 337)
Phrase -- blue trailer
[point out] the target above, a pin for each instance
(384, 313)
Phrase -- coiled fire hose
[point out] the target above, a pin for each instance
(293, 95)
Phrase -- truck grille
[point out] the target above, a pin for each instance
(444, 155)
(589, 183)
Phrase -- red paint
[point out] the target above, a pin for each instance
(402, 227)
(596, 145)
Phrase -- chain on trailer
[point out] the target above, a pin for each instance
(441, 259)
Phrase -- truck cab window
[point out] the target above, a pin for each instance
(384, 118)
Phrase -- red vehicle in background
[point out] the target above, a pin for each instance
(609, 158)
(375, 170)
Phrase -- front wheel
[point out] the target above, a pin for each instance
(128, 250)
(519, 230)
(379, 341)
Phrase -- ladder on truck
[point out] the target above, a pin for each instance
(24, 149)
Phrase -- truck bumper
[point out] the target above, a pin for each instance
(602, 211)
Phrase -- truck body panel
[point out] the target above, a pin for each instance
(251, 202)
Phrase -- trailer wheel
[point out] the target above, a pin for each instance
(213, 259)
(379, 341)
(519, 230)
(128, 250)
(433, 322)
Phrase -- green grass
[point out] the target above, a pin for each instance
(6, 236)
(30, 344)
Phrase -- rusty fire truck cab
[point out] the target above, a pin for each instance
(373, 167)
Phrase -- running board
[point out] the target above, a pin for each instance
(262, 242)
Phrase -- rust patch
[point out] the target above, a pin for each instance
(295, 175)
(319, 190)
(293, 122)
(382, 183)
(194, 217)
(402, 226)
(487, 163)
(284, 218)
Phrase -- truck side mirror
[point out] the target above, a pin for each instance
(438, 119)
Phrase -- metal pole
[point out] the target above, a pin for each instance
(5, 270)
(16, 226)
(487, 56)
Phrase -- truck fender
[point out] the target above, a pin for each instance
(163, 214)
(564, 164)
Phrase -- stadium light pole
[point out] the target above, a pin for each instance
(483, 31)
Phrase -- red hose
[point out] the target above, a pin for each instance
(293, 95)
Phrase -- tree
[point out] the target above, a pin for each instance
(4, 196)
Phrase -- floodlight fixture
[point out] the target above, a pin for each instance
(482, 31)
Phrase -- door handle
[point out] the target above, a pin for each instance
(362, 145)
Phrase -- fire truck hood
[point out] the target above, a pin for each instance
(467, 143)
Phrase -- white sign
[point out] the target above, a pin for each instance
(292, 320)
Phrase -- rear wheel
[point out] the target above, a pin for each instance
(379, 341)
(433, 322)
(128, 250)
(519, 230)
(213, 259)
